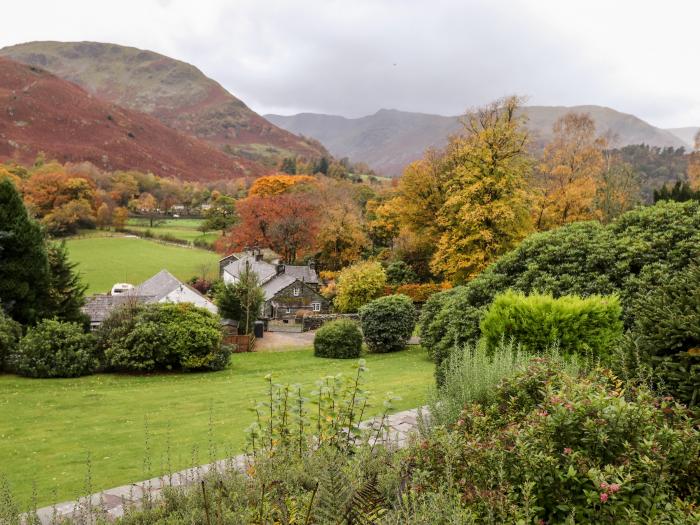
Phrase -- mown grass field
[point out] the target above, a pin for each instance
(103, 261)
(49, 427)
(185, 229)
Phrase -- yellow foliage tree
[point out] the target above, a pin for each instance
(486, 172)
(279, 183)
(569, 173)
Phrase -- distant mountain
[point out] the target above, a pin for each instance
(390, 139)
(41, 112)
(176, 93)
(687, 135)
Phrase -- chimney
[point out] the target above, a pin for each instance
(280, 268)
(258, 256)
(312, 264)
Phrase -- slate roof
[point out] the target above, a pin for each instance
(265, 271)
(277, 284)
(99, 307)
(158, 286)
(303, 273)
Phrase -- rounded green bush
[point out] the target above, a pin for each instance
(339, 339)
(10, 332)
(387, 323)
(56, 349)
(144, 338)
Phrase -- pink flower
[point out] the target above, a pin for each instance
(542, 413)
(614, 487)
(603, 497)
(569, 407)
(460, 422)
(603, 485)
(567, 451)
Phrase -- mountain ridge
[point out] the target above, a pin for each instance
(389, 139)
(175, 92)
(44, 113)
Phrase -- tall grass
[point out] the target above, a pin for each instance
(473, 373)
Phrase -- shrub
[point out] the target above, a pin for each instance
(387, 323)
(398, 272)
(10, 332)
(339, 339)
(584, 258)
(589, 326)
(558, 448)
(358, 284)
(56, 349)
(666, 333)
(472, 375)
(163, 336)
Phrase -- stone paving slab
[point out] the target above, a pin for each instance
(112, 503)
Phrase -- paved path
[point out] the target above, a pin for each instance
(280, 341)
(112, 503)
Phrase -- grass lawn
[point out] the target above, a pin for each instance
(48, 427)
(103, 261)
(185, 229)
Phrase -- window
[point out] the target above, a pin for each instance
(316, 307)
(297, 291)
(289, 310)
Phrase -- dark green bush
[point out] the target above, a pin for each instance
(10, 332)
(582, 259)
(589, 326)
(55, 349)
(398, 272)
(163, 336)
(387, 323)
(666, 332)
(340, 339)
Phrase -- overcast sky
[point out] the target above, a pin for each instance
(353, 57)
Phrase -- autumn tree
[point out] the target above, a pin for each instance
(103, 217)
(570, 171)
(486, 172)
(278, 184)
(119, 218)
(145, 204)
(359, 284)
(124, 187)
(618, 188)
(341, 238)
(694, 165)
(49, 187)
(285, 223)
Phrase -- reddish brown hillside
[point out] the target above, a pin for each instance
(41, 112)
(175, 92)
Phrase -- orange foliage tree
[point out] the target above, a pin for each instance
(285, 223)
(278, 184)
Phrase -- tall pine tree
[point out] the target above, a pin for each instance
(24, 266)
(66, 293)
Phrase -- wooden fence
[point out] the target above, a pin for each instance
(243, 343)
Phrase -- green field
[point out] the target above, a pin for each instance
(103, 261)
(185, 229)
(48, 427)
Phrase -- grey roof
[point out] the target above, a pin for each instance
(265, 271)
(99, 307)
(303, 273)
(277, 284)
(268, 255)
(158, 286)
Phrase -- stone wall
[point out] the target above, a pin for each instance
(314, 322)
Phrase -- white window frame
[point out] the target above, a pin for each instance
(296, 291)
(289, 310)
(316, 307)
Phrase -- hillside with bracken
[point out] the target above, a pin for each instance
(40, 112)
(174, 92)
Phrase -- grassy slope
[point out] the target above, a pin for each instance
(103, 261)
(48, 427)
